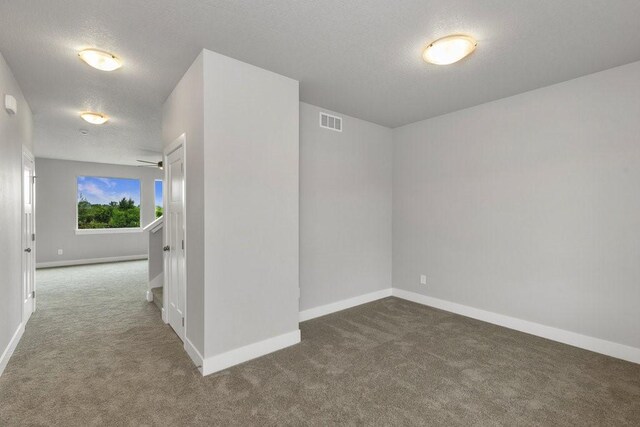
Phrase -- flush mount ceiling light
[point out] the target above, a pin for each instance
(448, 50)
(99, 59)
(94, 118)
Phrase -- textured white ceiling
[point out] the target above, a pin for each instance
(358, 57)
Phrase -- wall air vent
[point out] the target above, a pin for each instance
(328, 121)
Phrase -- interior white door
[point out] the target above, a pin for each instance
(28, 237)
(174, 243)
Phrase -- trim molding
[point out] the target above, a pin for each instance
(89, 261)
(13, 343)
(156, 224)
(323, 310)
(585, 342)
(83, 231)
(243, 354)
(157, 282)
(193, 353)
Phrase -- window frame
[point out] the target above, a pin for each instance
(80, 231)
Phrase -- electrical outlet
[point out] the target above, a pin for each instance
(59, 251)
(423, 279)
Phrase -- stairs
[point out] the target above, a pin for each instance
(157, 297)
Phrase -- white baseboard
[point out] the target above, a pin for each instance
(157, 282)
(164, 316)
(248, 352)
(597, 345)
(149, 296)
(193, 353)
(89, 261)
(13, 343)
(323, 310)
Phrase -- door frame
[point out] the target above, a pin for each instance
(176, 144)
(28, 154)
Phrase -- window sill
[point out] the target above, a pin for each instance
(108, 230)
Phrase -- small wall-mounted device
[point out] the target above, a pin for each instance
(10, 104)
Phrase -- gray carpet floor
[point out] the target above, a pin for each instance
(96, 353)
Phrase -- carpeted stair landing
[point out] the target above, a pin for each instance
(157, 297)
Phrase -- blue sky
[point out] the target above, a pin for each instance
(158, 191)
(98, 190)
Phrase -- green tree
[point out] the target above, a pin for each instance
(122, 214)
(126, 204)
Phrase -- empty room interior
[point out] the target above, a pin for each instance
(320, 213)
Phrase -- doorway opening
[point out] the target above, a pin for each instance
(28, 235)
(175, 237)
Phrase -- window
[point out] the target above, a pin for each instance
(158, 199)
(108, 203)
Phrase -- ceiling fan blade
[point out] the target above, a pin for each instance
(147, 161)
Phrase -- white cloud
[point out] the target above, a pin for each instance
(93, 193)
(98, 190)
(107, 181)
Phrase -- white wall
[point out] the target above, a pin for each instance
(155, 243)
(251, 154)
(244, 166)
(183, 112)
(56, 201)
(15, 131)
(345, 209)
(242, 153)
(528, 206)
